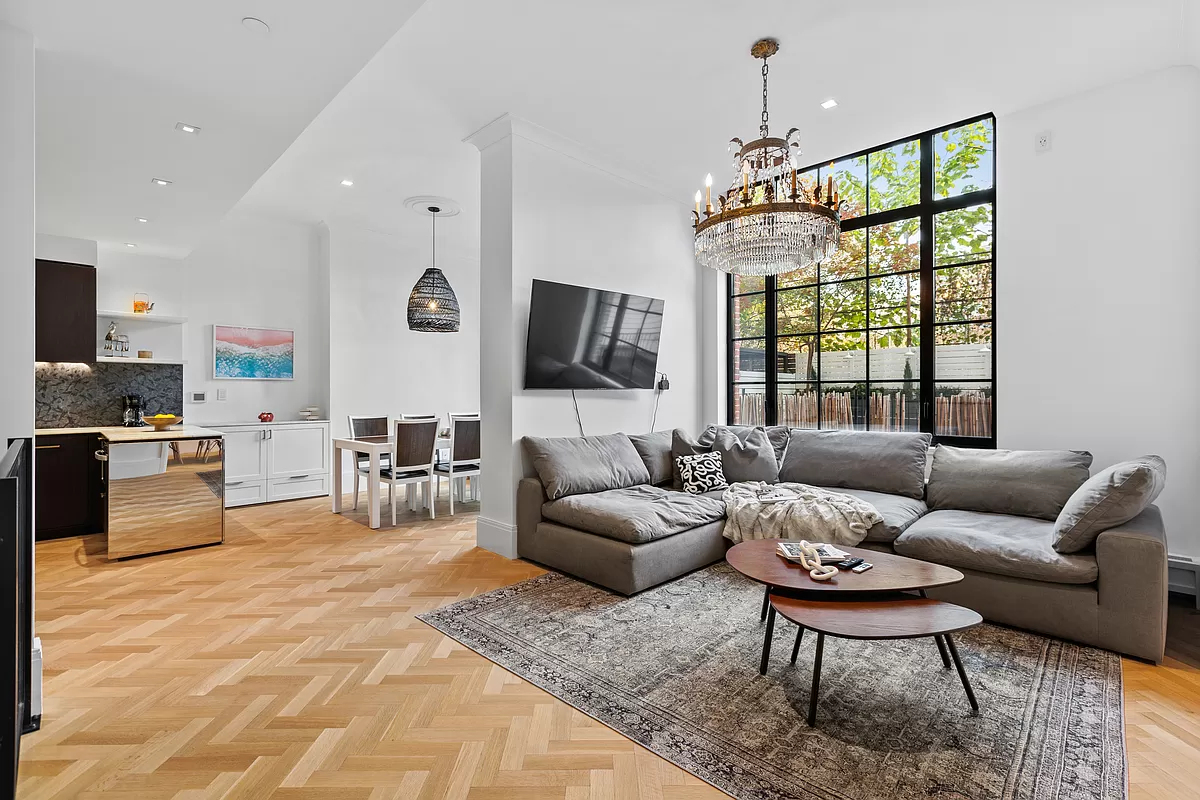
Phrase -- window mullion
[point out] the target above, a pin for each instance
(771, 401)
(928, 351)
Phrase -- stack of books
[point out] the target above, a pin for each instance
(827, 553)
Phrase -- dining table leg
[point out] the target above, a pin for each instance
(337, 479)
(373, 488)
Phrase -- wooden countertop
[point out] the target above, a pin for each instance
(148, 434)
(68, 431)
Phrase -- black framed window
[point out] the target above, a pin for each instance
(896, 331)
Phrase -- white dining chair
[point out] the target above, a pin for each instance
(412, 461)
(464, 455)
(366, 426)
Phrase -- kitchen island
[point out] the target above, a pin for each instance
(164, 490)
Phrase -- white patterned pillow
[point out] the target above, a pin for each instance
(701, 472)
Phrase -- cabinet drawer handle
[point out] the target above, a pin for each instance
(47, 447)
(234, 483)
(296, 477)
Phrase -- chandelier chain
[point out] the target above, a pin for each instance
(762, 129)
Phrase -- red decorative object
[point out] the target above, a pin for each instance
(266, 416)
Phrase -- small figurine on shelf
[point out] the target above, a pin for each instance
(110, 339)
(266, 416)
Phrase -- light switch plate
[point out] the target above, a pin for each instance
(222, 394)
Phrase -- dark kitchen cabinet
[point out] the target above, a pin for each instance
(65, 312)
(69, 486)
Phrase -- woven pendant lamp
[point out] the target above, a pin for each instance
(433, 306)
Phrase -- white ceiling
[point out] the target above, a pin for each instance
(113, 79)
(661, 86)
(657, 87)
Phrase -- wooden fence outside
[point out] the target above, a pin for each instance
(966, 414)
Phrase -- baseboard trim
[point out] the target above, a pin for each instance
(498, 537)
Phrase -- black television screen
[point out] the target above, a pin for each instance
(581, 338)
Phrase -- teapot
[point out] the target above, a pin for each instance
(142, 304)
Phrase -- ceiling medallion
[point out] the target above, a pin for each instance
(770, 221)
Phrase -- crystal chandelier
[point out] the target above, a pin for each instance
(769, 221)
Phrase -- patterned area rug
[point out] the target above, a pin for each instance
(676, 670)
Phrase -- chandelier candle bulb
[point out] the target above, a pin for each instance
(697, 201)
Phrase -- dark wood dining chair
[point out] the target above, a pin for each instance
(464, 455)
(412, 461)
(361, 426)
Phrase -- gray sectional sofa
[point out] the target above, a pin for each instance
(1037, 549)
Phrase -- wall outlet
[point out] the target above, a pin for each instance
(1041, 142)
(222, 394)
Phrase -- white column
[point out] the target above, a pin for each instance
(498, 357)
(17, 232)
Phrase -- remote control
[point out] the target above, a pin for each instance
(863, 567)
(849, 563)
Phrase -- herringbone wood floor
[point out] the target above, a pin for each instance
(287, 664)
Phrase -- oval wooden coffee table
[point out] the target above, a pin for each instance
(884, 616)
(874, 600)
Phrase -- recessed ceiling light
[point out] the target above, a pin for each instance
(347, 182)
(256, 25)
(160, 181)
(183, 126)
(141, 219)
(130, 244)
(828, 104)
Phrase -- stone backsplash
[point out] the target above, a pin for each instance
(87, 395)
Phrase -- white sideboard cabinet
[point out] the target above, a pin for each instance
(269, 461)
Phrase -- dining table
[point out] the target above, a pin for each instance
(374, 447)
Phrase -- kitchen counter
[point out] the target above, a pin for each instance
(118, 433)
(148, 434)
(256, 423)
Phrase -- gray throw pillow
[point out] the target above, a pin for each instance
(1110, 498)
(683, 445)
(877, 461)
(749, 459)
(1024, 483)
(701, 472)
(655, 450)
(572, 465)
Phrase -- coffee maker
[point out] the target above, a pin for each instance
(132, 408)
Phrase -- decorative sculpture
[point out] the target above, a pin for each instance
(811, 561)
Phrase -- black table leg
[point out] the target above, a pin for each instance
(962, 673)
(816, 682)
(766, 602)
(766, 655)
(942, 649)
(796, 646)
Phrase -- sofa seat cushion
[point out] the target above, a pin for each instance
(636, 514)
(898, 512)
(1019, 547)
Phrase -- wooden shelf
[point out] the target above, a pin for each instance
(134, 360)
(129, 316)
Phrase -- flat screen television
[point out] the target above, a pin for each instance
(581, 338)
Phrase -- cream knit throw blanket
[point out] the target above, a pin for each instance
(818, 515)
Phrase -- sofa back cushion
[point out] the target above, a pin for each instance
(749, 458)
(682, 444)
(874, 460)
(580, 465)
(1026, 483)
(655, 451)
(1109, 498)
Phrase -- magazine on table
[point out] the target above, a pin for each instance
(774, 495)
(826, 552)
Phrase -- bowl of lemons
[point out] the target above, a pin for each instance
(160, 422)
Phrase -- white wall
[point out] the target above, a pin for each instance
(64, 248)
(1097, 256)
(17, 187)
(549, 212)
(376, 364)
(250, 271)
